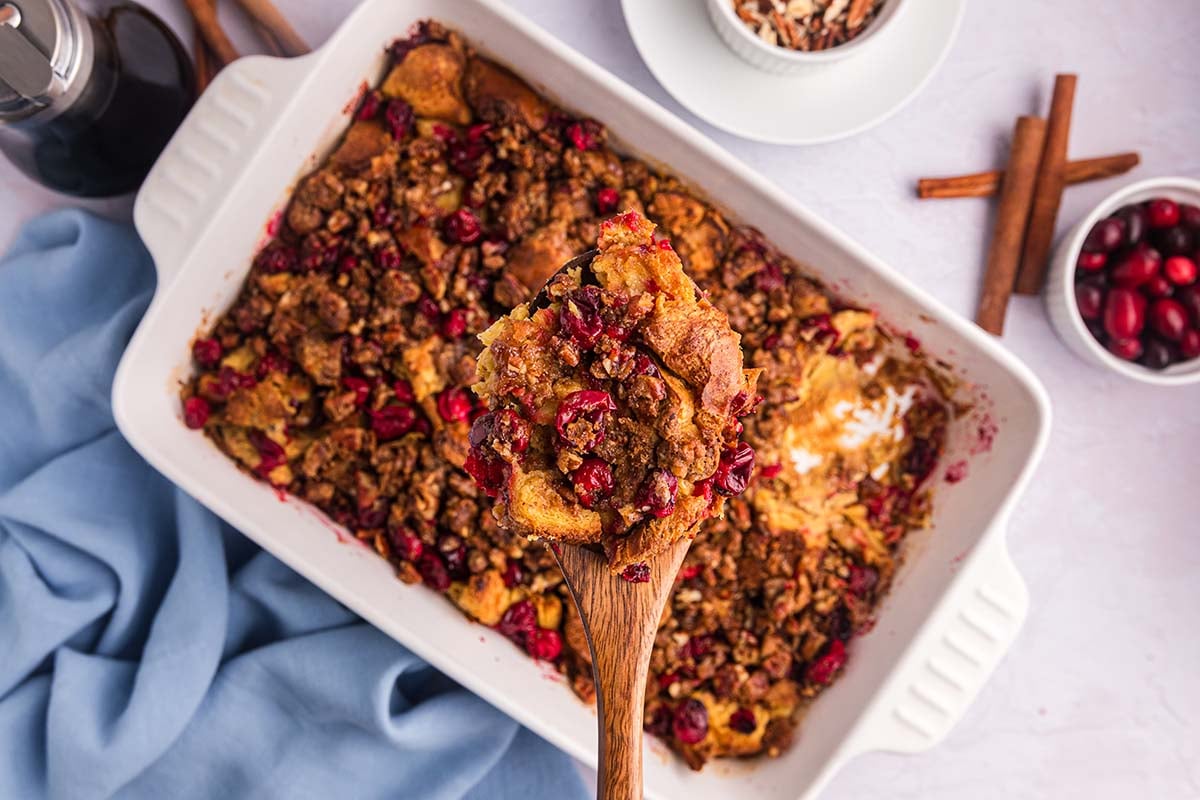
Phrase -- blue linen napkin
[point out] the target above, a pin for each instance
(149, 650)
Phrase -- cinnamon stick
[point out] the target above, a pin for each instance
(200, 56)
(1047, 193)
(986, 184)
(1012, 215)
(265, 13)
(204, 14)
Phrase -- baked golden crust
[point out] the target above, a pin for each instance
(651, 376)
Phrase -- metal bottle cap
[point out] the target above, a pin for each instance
(45, 56)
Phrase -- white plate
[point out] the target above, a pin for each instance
(677, 41)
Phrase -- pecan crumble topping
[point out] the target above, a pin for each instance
(807, 25)
(341, 374)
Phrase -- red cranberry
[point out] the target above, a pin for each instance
(427, 307)
(1190, 297)
(454, 324)
(543, 644)
(862, 580)
(697, 647)
(392, 422)
(636, 573)
(593, 482)
(228, 381)
(1135, 223)
(454, 405)
(404, 391)
(1105, 236)
(657, 493)
(406, 545)
(607, 199)
(463, 227)
(584, 134)
(1156, 354)
(374, 516)
(733, 471)
(513, 574)
(402, 47)
(347, 263)
(690, 723)
(370, 106)
(769, 471)
(207, 352)
(382, 215)
(195, 412)
(1189, 215)
(511, 428)
(665, 244)
(270, 363)
(769, 278)
(1175, 241)
(270, 453)
(644, 365)
(1169, 318)
(464, 152)
(827, 665)
(1128, 349)
(690, 571)
(1089, 298)
(399, 118)
(433, 571)
(388, 258)
(1162, 213)
(1180, 270)
(1158, 286)
(1124, 313)
(1189, 344)
(659, 722)
(743, 721)
(518, 621)
(277, 258)
(360, 387)
(591, 404)
(579, 316)
(1139, 266)
(490, 473)
(1090, 262)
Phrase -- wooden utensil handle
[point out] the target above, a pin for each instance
(620, 620)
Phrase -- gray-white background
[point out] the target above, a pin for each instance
(1100, 697)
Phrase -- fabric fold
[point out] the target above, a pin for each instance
(146, 648)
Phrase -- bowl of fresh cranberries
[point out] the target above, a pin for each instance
(1124, 288)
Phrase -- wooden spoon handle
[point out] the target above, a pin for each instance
(620, 619)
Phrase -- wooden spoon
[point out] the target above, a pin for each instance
(620, 619)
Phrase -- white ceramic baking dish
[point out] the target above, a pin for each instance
(957, 603)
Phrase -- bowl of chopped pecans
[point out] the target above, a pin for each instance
(789, 36)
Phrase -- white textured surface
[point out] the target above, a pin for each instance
(1100, 697)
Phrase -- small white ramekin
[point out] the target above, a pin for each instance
(782, 61)
(1060, 284)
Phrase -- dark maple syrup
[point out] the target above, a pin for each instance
(103, 143)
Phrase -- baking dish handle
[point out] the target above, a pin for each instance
(198, 167)
(953, 657)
